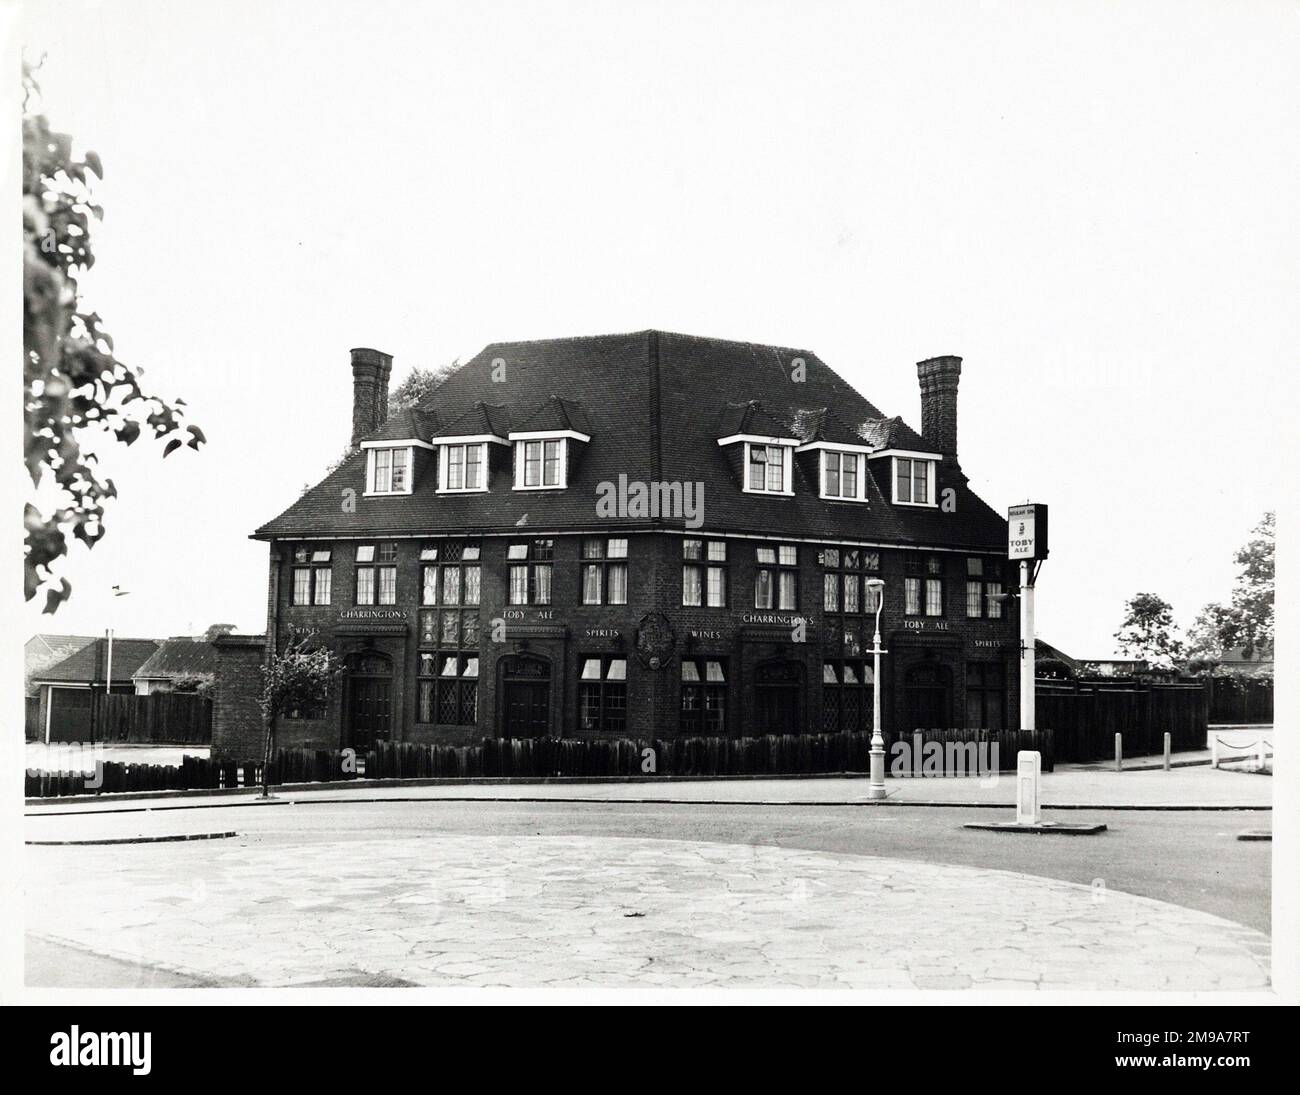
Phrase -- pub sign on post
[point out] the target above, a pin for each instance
(1027, 531)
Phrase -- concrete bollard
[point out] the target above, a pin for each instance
(1029, 767)
(1169, 744)
(1262, 758)
(1214, 751)
(1119, 752)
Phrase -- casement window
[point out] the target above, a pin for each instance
(313, 577)
(376, 570)
(463, 467)
(704, 696)
(604, 571)
(530, 571)
(602, 694)
(767, 468)
(447, 689)
(846, 696)
(846, 600)
(541, 463)
(983, 581)
(776, 581)
(704, 573)
(450, 573)
(914, 481)
(923, 587)
(388, 470)
(986, 696)
(843, 476)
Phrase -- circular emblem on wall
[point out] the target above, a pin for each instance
(655, 640)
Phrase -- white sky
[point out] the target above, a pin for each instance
(1094, 204)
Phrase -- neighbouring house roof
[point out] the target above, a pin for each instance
(178, 657)
(656, 404)
(41, 651)
(89, 665)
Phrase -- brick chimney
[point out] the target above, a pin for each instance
(370, 373)
(939, 377)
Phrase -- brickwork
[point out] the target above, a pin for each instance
(236, 718)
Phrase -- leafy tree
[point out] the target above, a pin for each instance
(296, 678)
(1147, 630)
(1246, 622)
(418, 383)
(73, 385)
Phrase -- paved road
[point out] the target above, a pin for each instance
(298, 867)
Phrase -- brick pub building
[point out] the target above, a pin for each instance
(642, 535)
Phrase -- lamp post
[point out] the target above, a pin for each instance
(118, 591)
(876, 786)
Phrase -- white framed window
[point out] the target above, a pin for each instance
(914, 481)
(388, 470)
(463, 467)
(844, 476)
(541, 463)
(767, 469)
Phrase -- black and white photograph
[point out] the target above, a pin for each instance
(661, 503)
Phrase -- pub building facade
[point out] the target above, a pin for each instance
(643, 535)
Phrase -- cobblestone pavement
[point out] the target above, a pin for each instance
(465, 910)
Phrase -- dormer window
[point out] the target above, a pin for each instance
(913, 481)
(463, 467)
(541, 463)
(768, 468)
(843, 476)
(388, 470)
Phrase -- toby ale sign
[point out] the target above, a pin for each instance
(1027, 531)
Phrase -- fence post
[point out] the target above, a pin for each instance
(1168, 748)
(1119, 752)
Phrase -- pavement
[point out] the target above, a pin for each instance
(465, 909)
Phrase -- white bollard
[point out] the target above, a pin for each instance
(1262, 759)
(1169, 744)
(1214, 751)
(1119, 752)
(1029, 767)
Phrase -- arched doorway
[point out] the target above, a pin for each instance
(525, 696)
(778, 698)
(370, 699)
(927, 697)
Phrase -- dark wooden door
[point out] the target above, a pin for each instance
(370, 719)
(527, 708)
(927, 698)
(776, 709)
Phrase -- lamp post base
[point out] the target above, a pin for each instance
(876, 789)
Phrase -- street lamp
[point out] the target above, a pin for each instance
(118, 591)
(876, 786)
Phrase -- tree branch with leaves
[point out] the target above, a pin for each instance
(74, 387)
(296, 678)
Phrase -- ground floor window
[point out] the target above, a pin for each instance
(448, 689)
(704, 696)
(846, 696)
(602, 695)
(986, 695)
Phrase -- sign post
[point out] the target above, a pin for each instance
(1027, 544)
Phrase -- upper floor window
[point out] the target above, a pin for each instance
(767, 468)
(388, 471)
(312, 576)
(604, 571)
(450, 573)
(540, 463)
(530, 571)
(923, 587)
(704, 573)
(776, 581)
(463, 467)
(845, 571)
(983, 582)
(843, 476)
(914, 481)
(376, 570)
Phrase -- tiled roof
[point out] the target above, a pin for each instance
(823, 424)
(406, 424)
(557, 414)
(655, 403)
(43, 650)
(180, 657)
(751, 418)
(90, 663)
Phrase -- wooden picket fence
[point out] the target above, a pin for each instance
(162, 718)
(1086, 716)
(1243, 700)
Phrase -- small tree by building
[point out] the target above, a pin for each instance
(295, 679)
(1148, 631)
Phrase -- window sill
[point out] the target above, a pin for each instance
(386, 494)
(461, 490)
(919, 505)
